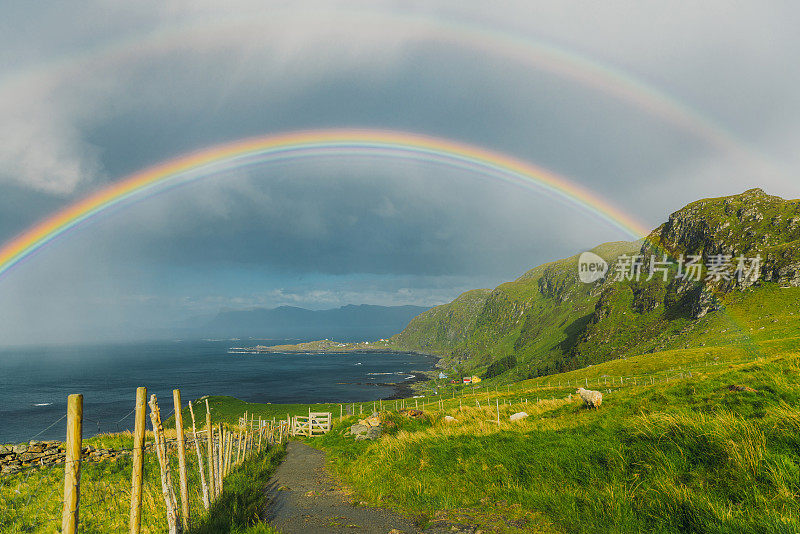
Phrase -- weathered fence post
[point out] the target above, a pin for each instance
(176, 398)
(228, 444)
(232, 460)
(252, 433)
(231, 444)
(72, 465)
(140, 422)
(206, 502)
(260, 434)
(239, 438)
(212, 487)
(219, 456)
(166, 477)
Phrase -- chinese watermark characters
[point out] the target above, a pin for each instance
(636, 267)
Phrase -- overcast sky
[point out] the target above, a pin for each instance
(649, 104)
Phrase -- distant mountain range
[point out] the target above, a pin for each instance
(351, 322)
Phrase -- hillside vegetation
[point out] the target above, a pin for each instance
(703, 442)
(549, 321)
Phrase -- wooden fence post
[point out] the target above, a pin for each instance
(252, 433)
(166, 477)
(72, 465)
(140, 422)
(231, 459)
(206, 502)
(231, 445)
(227, 460)
(220, 456)
(176, 398)
(260, 434)
(212, 487)
(238, 445)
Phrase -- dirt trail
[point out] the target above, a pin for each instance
(303, 498)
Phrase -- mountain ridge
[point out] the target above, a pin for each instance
(550, 321)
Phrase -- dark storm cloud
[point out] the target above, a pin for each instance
(86, 97)
(353, 216)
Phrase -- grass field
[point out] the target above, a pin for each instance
(30, 501)
(684, 455)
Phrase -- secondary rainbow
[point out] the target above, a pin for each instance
(426, 28)
(308, 144)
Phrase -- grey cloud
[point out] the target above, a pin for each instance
(419, 234)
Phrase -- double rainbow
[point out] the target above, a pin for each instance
(310, 144)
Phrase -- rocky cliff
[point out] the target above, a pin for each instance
(551, 321)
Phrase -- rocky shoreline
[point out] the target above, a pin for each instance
(406, 389)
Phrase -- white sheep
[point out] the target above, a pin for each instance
(592, 399)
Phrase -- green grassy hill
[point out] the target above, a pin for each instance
(547, 321)
(703, 439)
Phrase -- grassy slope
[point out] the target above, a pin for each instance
(551, 322)
(534, 317)
(445, 327)
(683, 454)
(31, 500)
(241, 505)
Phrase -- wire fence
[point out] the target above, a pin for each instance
(32, 475)
(33, 492)
(535, 390)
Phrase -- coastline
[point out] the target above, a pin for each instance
(327, 346)
(400, 390)
(406, 389)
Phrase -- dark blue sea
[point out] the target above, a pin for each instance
(35, 382)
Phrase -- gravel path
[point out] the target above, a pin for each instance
(303, 498)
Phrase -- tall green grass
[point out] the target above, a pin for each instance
(688, 455)
(241, 505)
(30, 501)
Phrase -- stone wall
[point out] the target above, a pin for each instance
(15, 458)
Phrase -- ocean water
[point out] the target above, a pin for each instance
(35, 382)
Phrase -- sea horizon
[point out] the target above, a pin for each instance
(36, 380)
